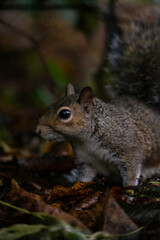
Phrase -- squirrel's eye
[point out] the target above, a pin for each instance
(64, 114)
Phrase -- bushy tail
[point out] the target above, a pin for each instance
(137, 70)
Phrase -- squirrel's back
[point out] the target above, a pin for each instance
(132, 117)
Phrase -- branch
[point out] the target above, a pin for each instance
(18, 31)
(36, 43)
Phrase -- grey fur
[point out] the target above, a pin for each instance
(118, 137)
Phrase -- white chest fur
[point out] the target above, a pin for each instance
(95, 160)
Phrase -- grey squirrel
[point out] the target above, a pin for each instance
(121, 136)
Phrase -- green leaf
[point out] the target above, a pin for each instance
(20, 230)
(50, 227)
(104, 235)
(14, 207)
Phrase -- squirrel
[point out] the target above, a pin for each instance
(121, 136)
(124, 133)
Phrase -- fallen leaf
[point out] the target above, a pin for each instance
(50, 162)
(83, 200)
(116, 221)
(33, 202)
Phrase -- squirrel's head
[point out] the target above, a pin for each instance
(67, 117)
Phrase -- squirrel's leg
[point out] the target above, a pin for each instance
(131, 178)
(130, 167)
(86, 173)
(131, 175)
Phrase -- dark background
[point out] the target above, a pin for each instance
(46, 44)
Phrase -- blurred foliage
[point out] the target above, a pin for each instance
(142, 1)
(5, 134)
(83, 21)
(34, 71)
(34, 67)
(43, 96)
(57, 73)
(52, 228)
(48, 227)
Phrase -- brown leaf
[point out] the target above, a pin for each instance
(6, 158)
(90, 210)
(116, 220)
(33, 202)
(78, 189)
(86, 216)
(83, 200)
(50, 162)
(89, 201)
(117, 193)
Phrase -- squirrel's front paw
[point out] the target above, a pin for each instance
(85, 178)
(86, 173)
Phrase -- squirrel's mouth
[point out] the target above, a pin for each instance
(48, 133)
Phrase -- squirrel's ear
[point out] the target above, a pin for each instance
(85, 99)
(70, 89)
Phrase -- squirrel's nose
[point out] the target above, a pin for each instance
(38, 130)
